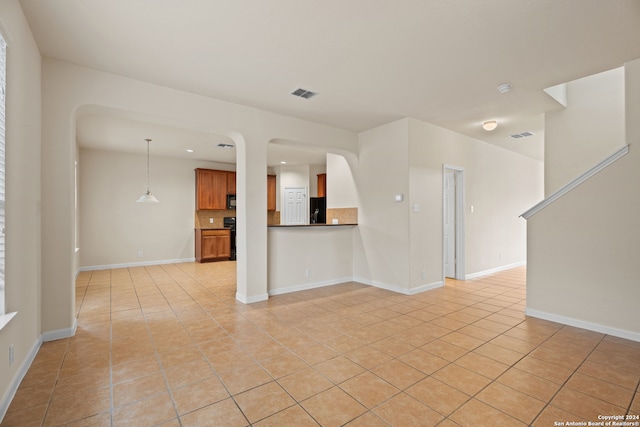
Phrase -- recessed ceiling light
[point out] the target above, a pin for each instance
(504, 88)
(227, 146)
(490, 125)
(283, 163)
(189, 150)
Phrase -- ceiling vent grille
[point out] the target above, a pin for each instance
(303, 93)
(226, 146)
(522, 135)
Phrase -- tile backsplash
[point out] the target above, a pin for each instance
(202, 218)
(343, 215)
(273, 217)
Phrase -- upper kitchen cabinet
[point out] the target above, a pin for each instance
(211, 189)
(231, 183)
(322, 185)
(271, 192)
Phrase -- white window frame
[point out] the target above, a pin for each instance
(3, 91)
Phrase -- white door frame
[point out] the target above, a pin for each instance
(459, 221)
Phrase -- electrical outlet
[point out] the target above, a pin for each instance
(11, 355)
(139, 254)
(210, 220)
(307, 272)
(423, 274)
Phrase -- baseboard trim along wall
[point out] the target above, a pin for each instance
(250, 300)
(60, 333)
(595, 327)
(22, 371)
(308, 286)
(424, 288)
(332, 282)
(398, 289)
(494, 270)
(134, 264)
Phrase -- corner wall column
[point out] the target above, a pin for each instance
(251, 220)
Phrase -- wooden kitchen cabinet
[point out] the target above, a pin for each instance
(271, 192)
(231, 183)
(322, 185)
(204, 188)
(213, 245)
(211, 189)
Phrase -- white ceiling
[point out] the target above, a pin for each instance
(370, 61)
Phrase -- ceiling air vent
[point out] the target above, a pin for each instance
(522, 135)
(303, 93)
(227, 146)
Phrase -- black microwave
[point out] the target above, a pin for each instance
(231, 202)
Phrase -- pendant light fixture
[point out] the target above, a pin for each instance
(148, 197)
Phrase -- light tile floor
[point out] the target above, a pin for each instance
(169, 345)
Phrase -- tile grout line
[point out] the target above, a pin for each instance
(569, 377)
(633, 397)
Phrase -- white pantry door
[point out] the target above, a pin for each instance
(296, 206)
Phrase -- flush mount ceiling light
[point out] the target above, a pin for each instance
(490, 125)
(504, 88)
(189, 150)
(148, 197)
(226, 146)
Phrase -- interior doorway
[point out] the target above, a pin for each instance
(295, 206)
(453, 222)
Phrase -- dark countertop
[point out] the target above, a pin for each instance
(212, 228)
(309, 225)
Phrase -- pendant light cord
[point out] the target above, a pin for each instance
(148, 141)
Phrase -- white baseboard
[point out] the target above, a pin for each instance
(60, 333)
(250, 300)
(398, 289)
(494, 270)
(134, 264)
(307, 286)
(427, 287)
(22, 371)
(603, 329)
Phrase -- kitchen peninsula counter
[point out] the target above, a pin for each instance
(309, 256)
(307, 225)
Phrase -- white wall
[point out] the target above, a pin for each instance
(294, 176)
(587, 131)
(314, 170)
(341, 185)
(498, 183)
(114, 228)
(23, 189)
(382, 236)
(308, 257)
(583, 248)
(394, 244)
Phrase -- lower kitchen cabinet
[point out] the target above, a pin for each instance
(213, 245)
